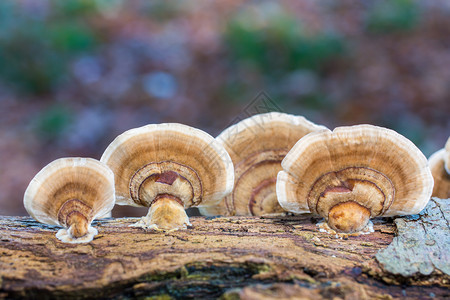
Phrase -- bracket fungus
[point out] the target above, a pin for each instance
(168, 167)
(352, 174)
(440, 168)
(71, 192)
(257, 145)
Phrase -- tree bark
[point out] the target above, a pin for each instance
(232, 257)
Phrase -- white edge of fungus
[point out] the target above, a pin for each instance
(282, 195)
(436, 158)
(293, 155)
(447, 157)
(258, 120)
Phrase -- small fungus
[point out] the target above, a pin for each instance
(440, 168)
(71, 192)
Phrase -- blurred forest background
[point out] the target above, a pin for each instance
(75, 74)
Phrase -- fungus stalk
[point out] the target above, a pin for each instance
(166, 212)
(78, 224)
(74, 215)
(348, 217)
(78, 229)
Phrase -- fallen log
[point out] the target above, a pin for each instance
(232, 257)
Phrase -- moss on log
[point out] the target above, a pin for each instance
(228, 257)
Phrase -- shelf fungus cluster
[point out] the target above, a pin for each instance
(352, 174)
(71, 192)
(168, 167)
(265, 164)
(440, 168)
(257, 145)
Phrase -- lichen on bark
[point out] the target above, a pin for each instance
(422, 244)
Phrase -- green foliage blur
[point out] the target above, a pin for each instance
(393, 16)
(277, 43)
(35, 52)
(309, 70)
(53, 122)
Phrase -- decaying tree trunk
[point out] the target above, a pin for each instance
(232, 257)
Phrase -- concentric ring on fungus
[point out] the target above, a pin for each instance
(352, 174)
(257, 145)
(262, 197)
(165, 172)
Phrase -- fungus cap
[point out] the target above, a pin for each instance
(257, 145)
(377, 168)
(438, 163)
(68, 189)
(172, 159)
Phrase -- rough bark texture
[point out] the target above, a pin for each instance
(423, 243)
(233, 257)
